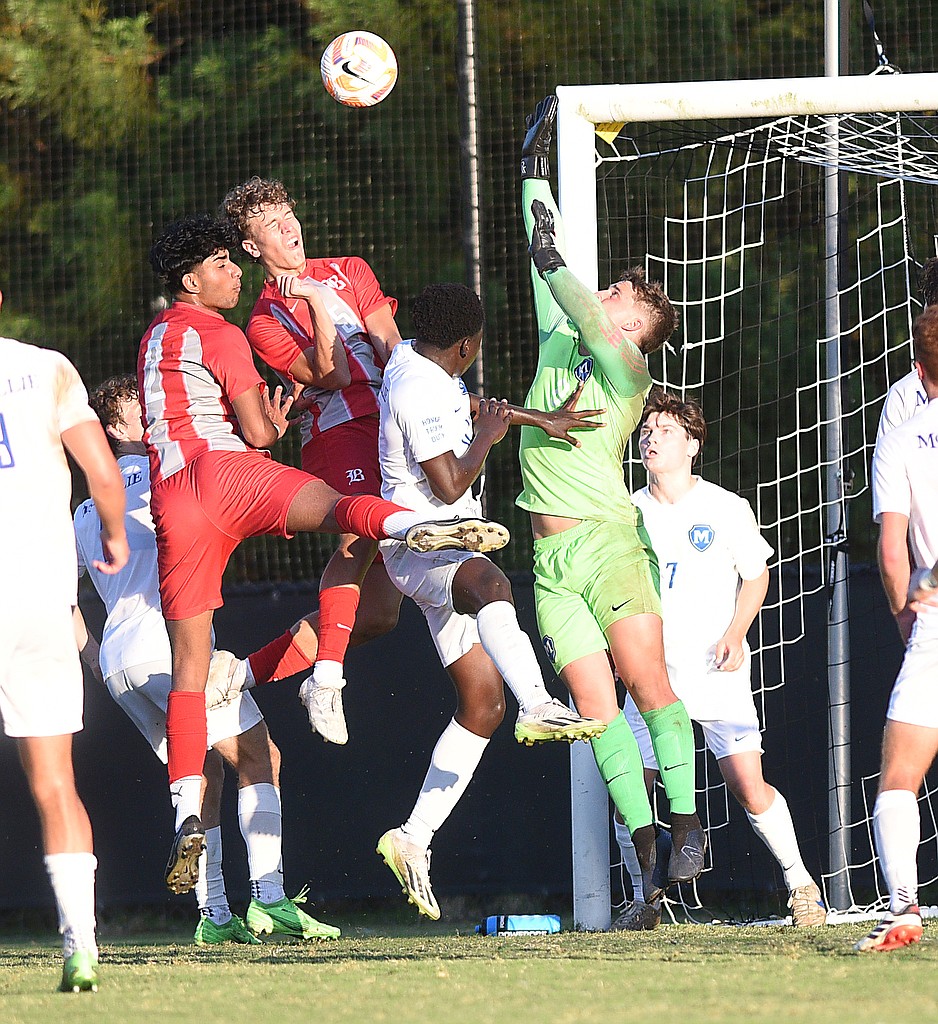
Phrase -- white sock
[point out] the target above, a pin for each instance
(776, 829)
(210, 888)
(398, 523)
(72, 878)
(327, 673)
(186, 794)
(455, 757)
(507, 644)
(261, 821)
(629, 857)
(898, 831)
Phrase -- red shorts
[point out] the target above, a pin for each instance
(346, 457)
(203, 512)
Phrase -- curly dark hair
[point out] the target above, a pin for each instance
(929, 281)
(685, 412)
(186, 243)
(662, 316)
(444, 314)
(925, 341)
(247, 200)
(106, 397)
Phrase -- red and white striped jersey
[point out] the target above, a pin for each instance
(280, 330)
(192, 362)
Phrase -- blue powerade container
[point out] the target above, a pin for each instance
(520, 924)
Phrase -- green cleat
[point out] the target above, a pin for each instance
(207, 933)
(79, 972)
(285, 918)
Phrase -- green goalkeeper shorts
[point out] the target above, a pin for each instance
(585, 579)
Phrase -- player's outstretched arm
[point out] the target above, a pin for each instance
(556, 423)
(88, 446)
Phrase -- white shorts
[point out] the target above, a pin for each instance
(914, 697)
(41, 686)
(427, 579)
(143, 691)
(719, 702)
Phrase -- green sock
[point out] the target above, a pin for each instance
(672, 737)
(620, 764)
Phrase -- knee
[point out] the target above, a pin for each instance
(375, 620)
(482, 715)
(53, 791)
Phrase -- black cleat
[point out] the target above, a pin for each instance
(689, 845)
(638, 916)
(543, 247)
(182, 868)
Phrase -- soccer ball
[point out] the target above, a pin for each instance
(358, 69)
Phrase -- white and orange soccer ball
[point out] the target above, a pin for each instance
(358, 69)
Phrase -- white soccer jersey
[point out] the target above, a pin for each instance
(41, 395)
(903, 400)
(705, 543)
(134, 631)
(424, 413)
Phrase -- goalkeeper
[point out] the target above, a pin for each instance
(596, 577)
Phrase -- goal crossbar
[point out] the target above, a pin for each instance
(762, 98)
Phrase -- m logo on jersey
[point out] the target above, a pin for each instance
(701, 536)
(585, 370)
(549, 647)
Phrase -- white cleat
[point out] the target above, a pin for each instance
(555, 721)
(807, 906)
(411, 866)
(227, 676)
(323, 703)
(457, 534)
(893, 932)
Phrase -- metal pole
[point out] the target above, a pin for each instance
(469, 162)
(838, 632)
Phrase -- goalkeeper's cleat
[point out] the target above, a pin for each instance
(638, 916)
(207, 933)
(323, 703)
(893, 931)
(535, 149)
(80, 972)
(226, 679)
(457, 534)
(652, 857)
(411, 866)
(688, 847)
(182, 868)
(807, 906)
(543, 247)
(555, 721)
(285, 918)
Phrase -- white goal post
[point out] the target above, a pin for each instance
(586, 110)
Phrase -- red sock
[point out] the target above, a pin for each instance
(278, 660)
(364, 515)
(337, 609)
(186, 733)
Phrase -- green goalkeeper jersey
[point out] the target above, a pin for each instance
(586, 482)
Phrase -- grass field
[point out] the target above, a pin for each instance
(681, 973)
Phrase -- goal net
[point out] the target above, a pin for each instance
(791, 246)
